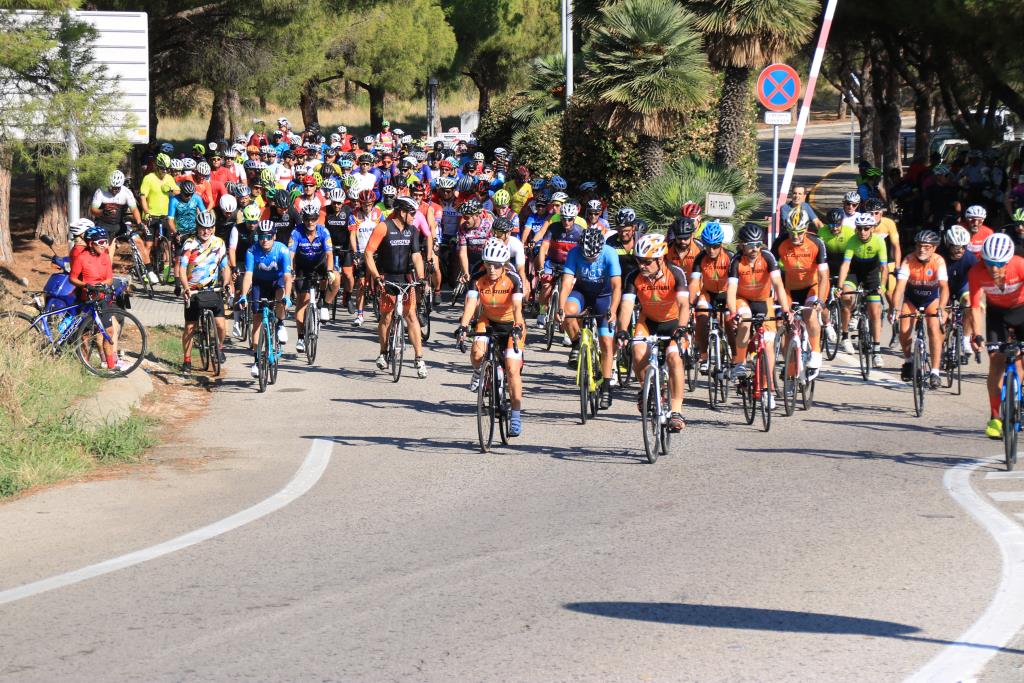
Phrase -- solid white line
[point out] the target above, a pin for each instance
(1019, 474)
(305, 478)
(1004, 616)
(1007, 496)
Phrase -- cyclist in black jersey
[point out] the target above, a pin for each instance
(624, 241)
(336, 222)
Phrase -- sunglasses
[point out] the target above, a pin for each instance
(266, 238)
(851, 203)
(865, 228)
(204, 227)
(494, 266)
(752, 245)
(994, 264)
(99, 243)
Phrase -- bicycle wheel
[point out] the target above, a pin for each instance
(745, 388)
(275, 346)
(485, 406)
(958, 345)
(423, 310)
(309, 328)
(863, 346)
(766, 394)
(551, 324)
(583, 379)
(129, 339)
(504, 410)
(200, 339)
(690, 358)
(947, 367)
(595, 367)
(263, 361)
(713, 371)
(1009, 410)
(623, 365)
(397, 346)
(23, 326)
(651, 420)
(666, 435)
(807, 393)
(212, 342)
(919, 378)
(789, 377)
(831, 349)
(724, 370)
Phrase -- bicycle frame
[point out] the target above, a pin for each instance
(656, 375)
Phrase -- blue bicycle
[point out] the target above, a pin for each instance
(108, 341)
(1011, 398)
(268, 349)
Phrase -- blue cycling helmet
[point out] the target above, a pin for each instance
(537, 184)
(712, 235)
(466, 183)
(558, 183)
(96, 233)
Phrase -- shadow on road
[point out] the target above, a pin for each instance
(939, 460)
(752, 618)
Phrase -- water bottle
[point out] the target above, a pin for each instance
(64, 324)
(501, 374)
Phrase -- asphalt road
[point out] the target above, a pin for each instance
(825, 550)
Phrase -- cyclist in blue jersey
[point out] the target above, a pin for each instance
(183, 210)
(592, 279)
(958, 262)
(268, 274)
(312, 264)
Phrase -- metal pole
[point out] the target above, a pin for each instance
(568, 50)
(775, 187)
(74, 191)
(563, 27)
(851, 135)
(432, 129)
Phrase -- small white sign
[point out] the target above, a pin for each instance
(778, 118)
(719, 205)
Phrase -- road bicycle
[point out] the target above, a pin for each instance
(394, 350)
(311, 323)
(952, 347)
(588, 365)
(425, 301)
(206, 339)
(79, 328)
(493, 400)
(755, 387)
(138, 268)
(859, 321)
(920, 359)
(791, 364)
(1011, 401)
(268, 348)
(689, 355)
(654, 398)
(624, 355)
(719, 359)
(835, 322)
(551, 325)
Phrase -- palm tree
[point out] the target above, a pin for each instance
(739, 36)
(644, 68)
(545, 91)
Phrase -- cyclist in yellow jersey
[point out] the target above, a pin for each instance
(886, 227)
(155, 194)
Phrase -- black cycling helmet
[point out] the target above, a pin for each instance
(470, 208)
(187, 187)
(405, 165)
(406, 204)
(282, 200)
(873, 204)
(926, 237)
(681, 228)
(751, 232)
(592, 242)
(502, 224)
(835, 217)
(266, 229)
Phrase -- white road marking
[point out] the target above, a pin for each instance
(305, 478)
(1019, 474)
(1007, 496)
(1004, 616)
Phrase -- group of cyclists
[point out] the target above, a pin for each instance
(266, 217)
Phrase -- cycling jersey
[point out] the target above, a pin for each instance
(157, 192)
(753, 278)
(513, 217)
(202, 262)
(284, 224)
(521, 194)
(337, 226)
(593, 277)
(561, 240)
(474, 239)
(269, 266)
(658, 298)
(886, 229)
(865, 256)
(974, 246)
(713, 272)
(627, 257)
(185, 213)
(284, 176)
(310, 252)
(1008, 295)
(801, 264)
(957, 271)
(496, 299)
(449, 220)
(112, 207)
(835, 243)
(686, 259)
(923, 278)
(239, 241)
(392, 248)
(363, 226)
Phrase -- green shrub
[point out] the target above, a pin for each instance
(539, 146)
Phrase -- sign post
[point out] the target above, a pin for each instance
(778, 88)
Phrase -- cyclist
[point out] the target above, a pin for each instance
(959, 262)
(429, 219)
(592, 279)
(310, 191)
(753, 275)
(155, 197)
(851, 202)
(362, 223)
(365, 178)
(693, 211)
(501, 201)
(798, 202)
(1015, 229)
(241, 237)
(109, 207)
(495, 301)
(864, 261)
(537, 216)
(834, 236)
(202, 268)
(91, 267)
(682, 248)
(312, 254)
(337, 224)
(709, 282)
(869, 185)
(594, 216)
(392, 253)
(802, 257)
(227, 218)
(922, 284)
(268, 274)
(886, 228)
(660, 289)
(501, 230)
(1000, 277)
(974, 221)
(559, 236)
(474, 231)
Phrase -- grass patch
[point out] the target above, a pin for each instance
(40, 443)
(165, 345)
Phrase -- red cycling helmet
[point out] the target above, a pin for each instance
(367, 196)
(444, 163)
(690, 210)
(308, 180)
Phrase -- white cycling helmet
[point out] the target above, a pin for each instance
(203, 168)
(958, 236)
(117, 179)
(368, 140)
(177, 165)
(570, 210)
(389, 191)
(852, 197)
(188, 163)
(228, 204)
(282, 121)
(353, 194)
(207, 219)
(336, 195)
(398, 131)
(975, 211)
(342, 129)
(309, 207)
(78, 228)
(997, 248)
(496, 251)
(862, 219)
(446, 183)
(559, 197)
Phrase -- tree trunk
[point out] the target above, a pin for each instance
(235, 114)
(923, 112)
(890, 122)
(841, 110)
(653, 155)
(732, 116)
(308, 102)
(218, 116)
(483, 103)
(51, 209)
(6, 245)
(376, 107)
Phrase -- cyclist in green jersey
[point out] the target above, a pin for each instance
(864, 261)
(834, 235)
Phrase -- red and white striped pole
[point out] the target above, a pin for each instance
(805, 111)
